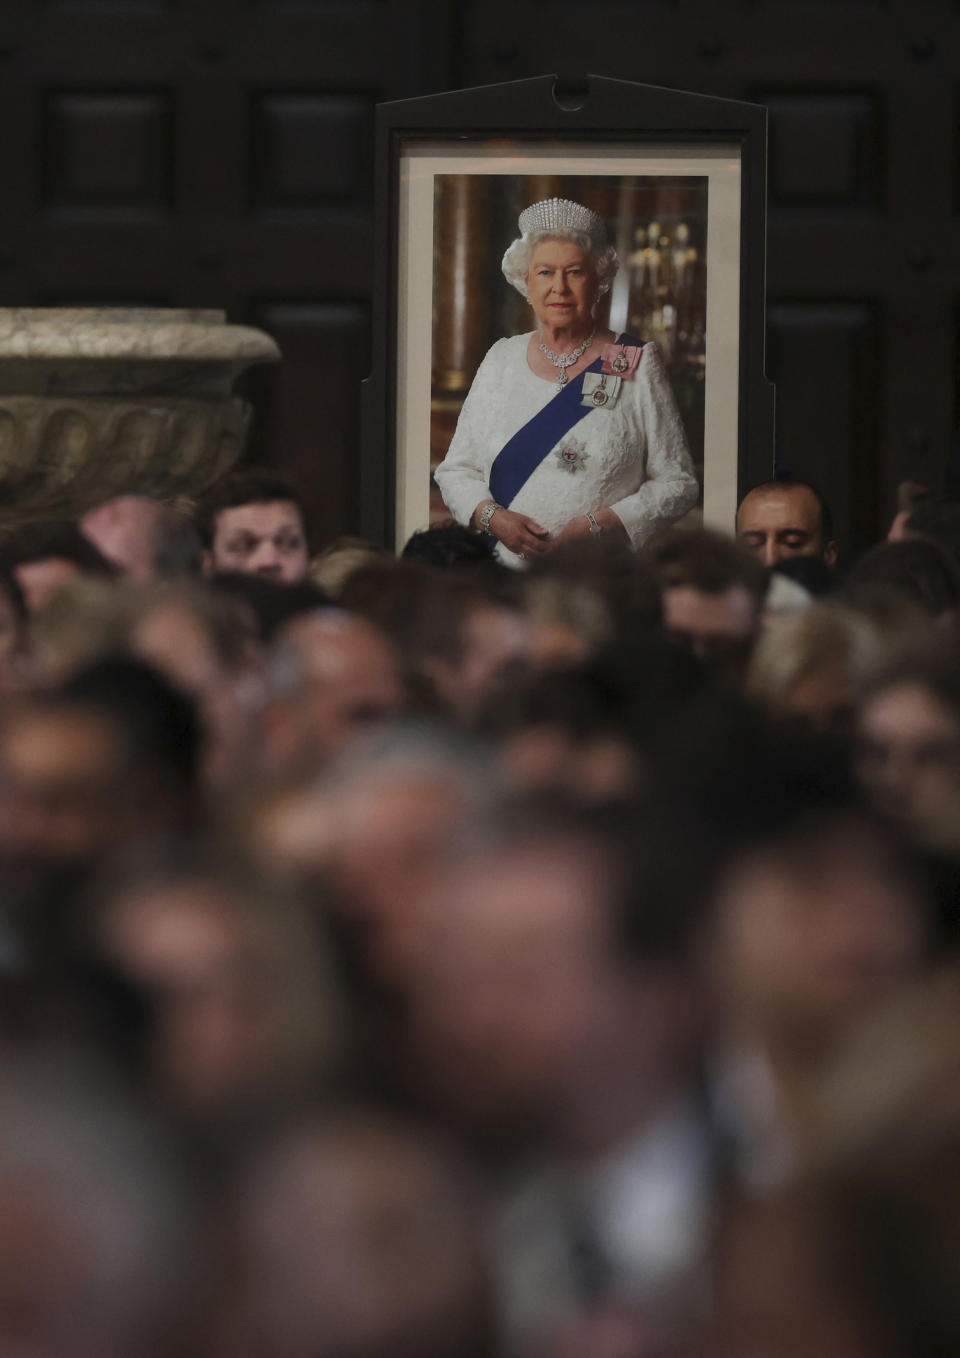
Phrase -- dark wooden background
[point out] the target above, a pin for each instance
(218, 153)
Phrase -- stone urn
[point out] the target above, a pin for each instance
(109, 401)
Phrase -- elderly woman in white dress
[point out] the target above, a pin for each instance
(569, 430)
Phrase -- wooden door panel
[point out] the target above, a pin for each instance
(325, 349)
(825, 149)
(107, 153)
(824, 358)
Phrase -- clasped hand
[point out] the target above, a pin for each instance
(520, 534)
(526, 538)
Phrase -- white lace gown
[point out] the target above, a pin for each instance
(630, 456)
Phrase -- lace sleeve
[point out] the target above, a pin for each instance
(463, 475)
(670, 488)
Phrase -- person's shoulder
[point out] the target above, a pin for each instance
(511, 345)
(650, 358)
(647, 381)
(505, 353)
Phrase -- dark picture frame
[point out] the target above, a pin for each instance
(606, 134)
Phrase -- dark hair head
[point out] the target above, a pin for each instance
(158, 724)
(935, 667)
(651, 909)
(58, 539)
(420, 610)
(449, 545)
(270, 603)
(812, 572)
(424, 613)
(641, 688)
(570, 699)
(745, 785)
(255, 486)
(417, 607)
(791, 483)
(707, 561)
(226, 621)
(938, 517)
(916, 569)
(624, 581)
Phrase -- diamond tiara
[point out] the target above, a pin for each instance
(562, 214)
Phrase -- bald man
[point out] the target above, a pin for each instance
(143, 538)
(780, 519)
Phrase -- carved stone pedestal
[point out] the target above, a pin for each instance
(103, 402)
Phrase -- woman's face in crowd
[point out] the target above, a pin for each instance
(909, 752)
(562, 286)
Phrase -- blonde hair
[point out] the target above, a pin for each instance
(332, 568)
(798, 644)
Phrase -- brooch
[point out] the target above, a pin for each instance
(600, 391)
(621, 360)
(572, 458)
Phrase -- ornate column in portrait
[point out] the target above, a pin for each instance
(461, 246)
(460, 311)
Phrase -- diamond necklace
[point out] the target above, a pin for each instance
(565, 361)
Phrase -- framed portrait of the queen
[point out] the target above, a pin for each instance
(567, 281)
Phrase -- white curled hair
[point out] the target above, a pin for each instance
(516, 261)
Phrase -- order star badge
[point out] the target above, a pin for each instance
(572, 458)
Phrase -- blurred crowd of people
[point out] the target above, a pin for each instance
(406, 957)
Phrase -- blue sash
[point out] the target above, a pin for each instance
(521, 455)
